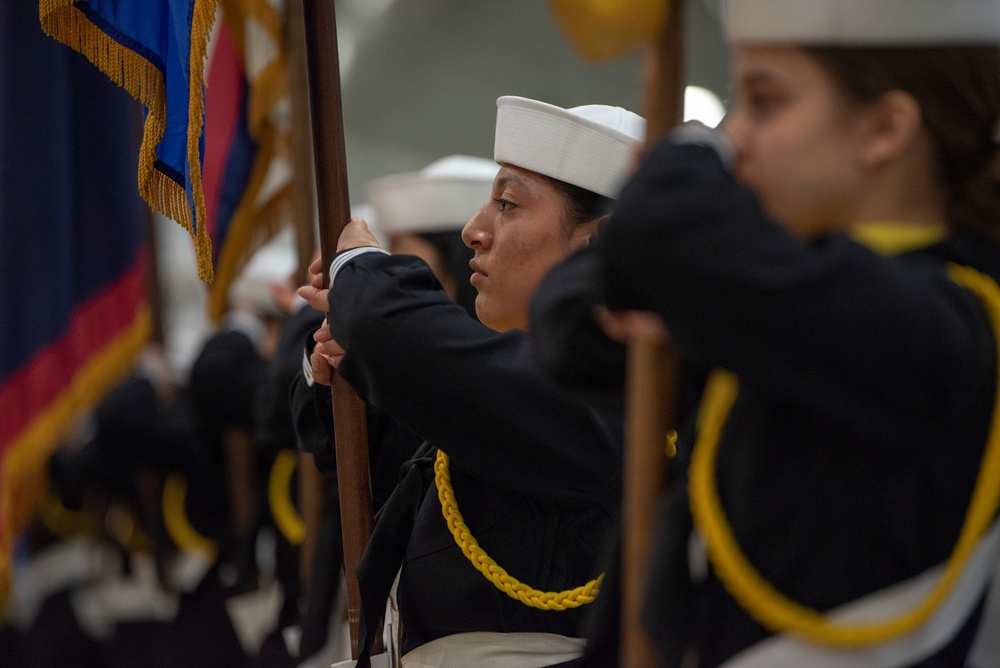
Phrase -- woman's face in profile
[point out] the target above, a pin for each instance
(517, 237)
(797, 139)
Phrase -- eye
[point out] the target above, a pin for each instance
(503, 204)
(763, 102)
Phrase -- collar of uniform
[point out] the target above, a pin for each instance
(887, 238)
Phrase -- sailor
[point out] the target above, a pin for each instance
(419, 213)
(832, 254)
(527, 477)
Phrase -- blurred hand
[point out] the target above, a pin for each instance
(283, 296)
(624, 326)
(326, 355)
(322, 370)
(355, 235)
(326, 346)
(314, 293)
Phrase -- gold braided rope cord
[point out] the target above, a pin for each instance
(279, 498)
(757, 596)
(180, 530)
(562, 600)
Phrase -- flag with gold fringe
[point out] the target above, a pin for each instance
(247, 171)
(603, 29)
(155, 49)
(73, 254)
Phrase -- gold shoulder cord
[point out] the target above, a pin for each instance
(176, 522)
(570, 598)
(65, 522)
(757, 596)
(279, 498)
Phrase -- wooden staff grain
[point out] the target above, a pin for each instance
(303, 183)
(652, 375)
(349, 415)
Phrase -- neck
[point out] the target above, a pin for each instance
(904, 191)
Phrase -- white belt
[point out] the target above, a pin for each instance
(495, 650)
(488, 650)
(65, 565)
(785, 651)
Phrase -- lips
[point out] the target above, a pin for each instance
(477, 272)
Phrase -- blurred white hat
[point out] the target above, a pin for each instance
(441, 197)
(273, 263)
(863, 22)
(591, 146)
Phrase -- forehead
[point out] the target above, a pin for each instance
(786, 65)
(512, 175)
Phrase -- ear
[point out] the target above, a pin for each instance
(586, 233)
(891, 125)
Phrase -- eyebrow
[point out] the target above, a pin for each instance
(758, 77)
(510, 177)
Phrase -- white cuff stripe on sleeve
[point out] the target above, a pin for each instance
(347, 256)
(307, 370)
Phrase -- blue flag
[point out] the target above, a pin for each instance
(73, 253)
(155, 49)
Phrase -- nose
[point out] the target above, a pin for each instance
(476, 233)
(733, 129)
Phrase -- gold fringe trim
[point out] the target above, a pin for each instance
(23, 478)
(269, 88)
(272, 83)
(266, 15)
(232, 16)
(202, 19)
(255, 223)
(61, 20)
(251, 227)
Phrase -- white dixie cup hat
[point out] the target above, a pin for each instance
(863, 22)
(591, 147)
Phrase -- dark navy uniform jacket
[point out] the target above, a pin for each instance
(535, 472)
(866, 388)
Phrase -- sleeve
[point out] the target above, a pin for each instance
(472, 392)
(566, 341)
(828, 323)
(390, 444)
(273, 415)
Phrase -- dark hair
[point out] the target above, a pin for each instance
(455, 256)
(958, 90)
(581, 205)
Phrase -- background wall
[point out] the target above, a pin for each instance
(421, 77)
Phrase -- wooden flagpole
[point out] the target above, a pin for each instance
(303, 182)
(652, 374)
(349, 415)
(311, 483)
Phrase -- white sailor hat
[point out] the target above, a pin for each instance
(591, 146)
(441, 197)
(272, 263)
(863, 22)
